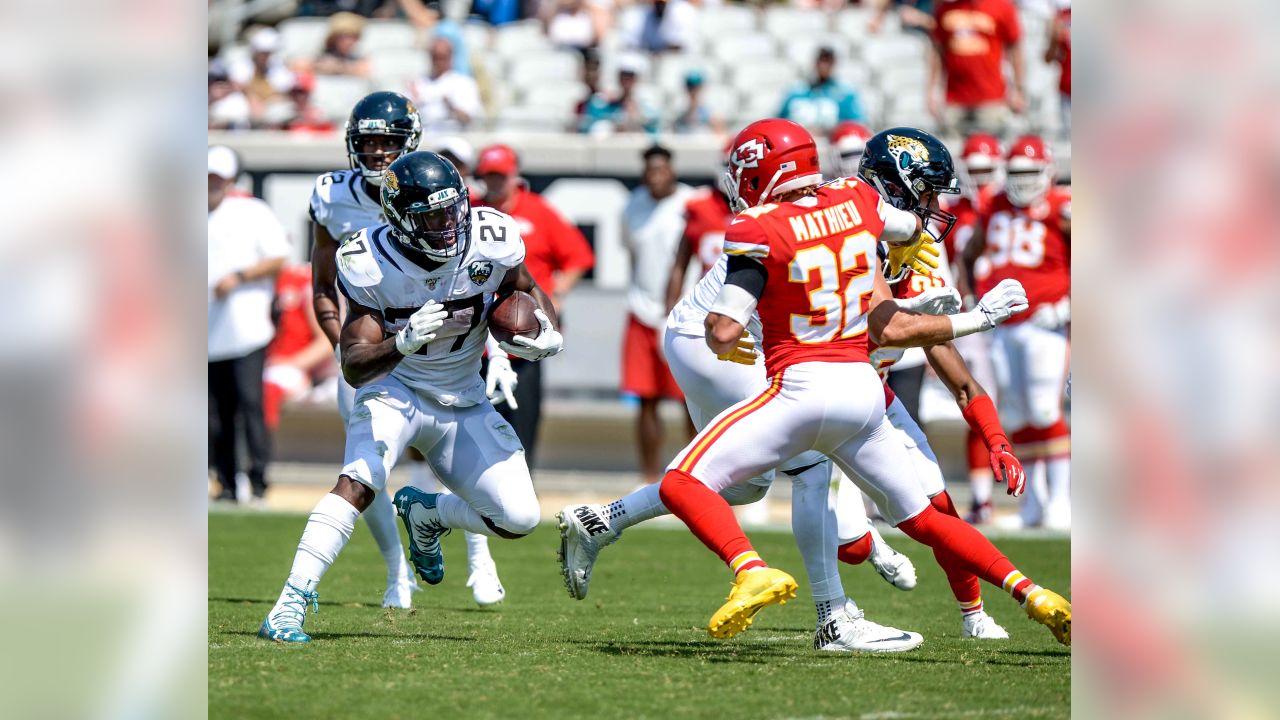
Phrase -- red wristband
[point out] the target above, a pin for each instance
(981, 416)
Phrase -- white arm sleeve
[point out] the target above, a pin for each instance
(899, 226)
(735, 302)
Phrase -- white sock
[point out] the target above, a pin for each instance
(477, 550)
(1059, 480)
(981, 481)
(327, 531)
(814, 524)
(1033, 502)
(642, 504)
(421, 477)
(456, 513)
(384, 525)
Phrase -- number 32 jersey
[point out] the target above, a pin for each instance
(1027, 245)
(819, 253)
(373, 272)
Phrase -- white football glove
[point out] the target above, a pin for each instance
(549, 341)
(1052, 317)
(934, 301)
(500, 383)
(422, 328)
(1003, 302)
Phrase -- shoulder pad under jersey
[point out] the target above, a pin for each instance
(358, 261)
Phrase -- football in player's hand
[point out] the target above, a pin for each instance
(513, 315)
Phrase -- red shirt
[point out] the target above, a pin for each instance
(971, 36)
(967, 211)
(552, 244)
(820, 257)
(1063, 31)
(293, 327)
(707, 214)
(1028, 245)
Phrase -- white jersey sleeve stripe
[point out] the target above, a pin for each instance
(748, 249)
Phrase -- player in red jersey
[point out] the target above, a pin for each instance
(1026, 235)
(848, 141)
(706, 215)
(299, 349)
(804, 255)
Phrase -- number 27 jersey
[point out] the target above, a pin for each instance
(819, 253)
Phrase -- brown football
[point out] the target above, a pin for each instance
(513, 315)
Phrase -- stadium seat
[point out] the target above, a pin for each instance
(903, 77)
(518, 118)
(302, 37)
(335, 94)
(851, 22)
(535, 68)
(723, 101)
(882, 51)
(721, 20)
(382, 35)
(730, 49)
(801, 51)
(855, 73)
(393, 69)
(669, 70)
(553, 95)
(520, 39)
(756, 106)
(787, 23)
(753, 75)
(477, 37)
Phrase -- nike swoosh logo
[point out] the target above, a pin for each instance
(903, 636)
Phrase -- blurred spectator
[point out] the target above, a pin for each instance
(823, 102)
(968, 57)
(1059, 51)
(307, 118)
(575, 24)
(228, 107)
(263, 77)
(652, 225)
(300, 354)
(363, 8)
(697, 116)
(498, 12)
(556, 254)
(624, 112)
(340, 56)
(706, 217)
(247, 248)
(591, 79)
(459, 152)
(914, 15)
(447, 100)
(659, 25)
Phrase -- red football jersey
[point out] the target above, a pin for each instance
(820, 253)
(1028, 245)
(707, 214)
(967, 211)
(1063, 31)
(971, 36)
(911, 285)
(293, 297)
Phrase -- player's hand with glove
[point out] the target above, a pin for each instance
(921, 255)
(549, 341)
(1008, 468)
(421, 328)
(999, 304)
(1053, 316)
(934, 301)
(743, 352)
(500, 382)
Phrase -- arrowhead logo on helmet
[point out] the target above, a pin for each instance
(749, 154)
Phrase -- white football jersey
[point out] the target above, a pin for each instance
(689, 314)
(340, 204)
(375, 273)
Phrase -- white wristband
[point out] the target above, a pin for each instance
(968, 323)
(736, 303)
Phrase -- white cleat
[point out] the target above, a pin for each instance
(982, 626)
(893, 566)
(584, 530)
(485, 586)
(851, 632)
(399, 593)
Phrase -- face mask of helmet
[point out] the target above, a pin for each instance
(372, 153)
(439, 233)
(1025, 186)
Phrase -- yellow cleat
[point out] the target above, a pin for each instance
(752, 591)
(1051, 610)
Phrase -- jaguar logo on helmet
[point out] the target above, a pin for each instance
(907, 149)
(390, 184)
(749, 154)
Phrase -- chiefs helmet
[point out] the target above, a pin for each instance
(769, 158)
(383, 113)
(1030, 170)
(848, 141)
(428, 206)
(980, 159)
(910, 168)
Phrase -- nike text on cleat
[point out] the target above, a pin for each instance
(284, 623)
(399, 594)
(752, 591)
(584, 530)
(1051, 610)
(485, 586)
(851, 632)
(421, 519)
(894, 567)
(981, 626)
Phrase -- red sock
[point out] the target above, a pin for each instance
(710, 518)
(272, 400)
(855, 552)
(970, 548)
(964, 584)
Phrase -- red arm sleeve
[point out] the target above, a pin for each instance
(981, 416)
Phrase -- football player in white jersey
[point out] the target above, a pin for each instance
(418, 290)
(382, 127)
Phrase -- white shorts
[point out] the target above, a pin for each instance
(710, 385)
(1031, 370)
(924, 463)
(472, 450)
(836, 409)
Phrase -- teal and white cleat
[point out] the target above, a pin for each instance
(422, 520)
(284, 622)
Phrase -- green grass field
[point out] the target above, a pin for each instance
(636, 648)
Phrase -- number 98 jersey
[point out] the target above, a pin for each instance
(1027, 244)
(820, 253)
(374, 272)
